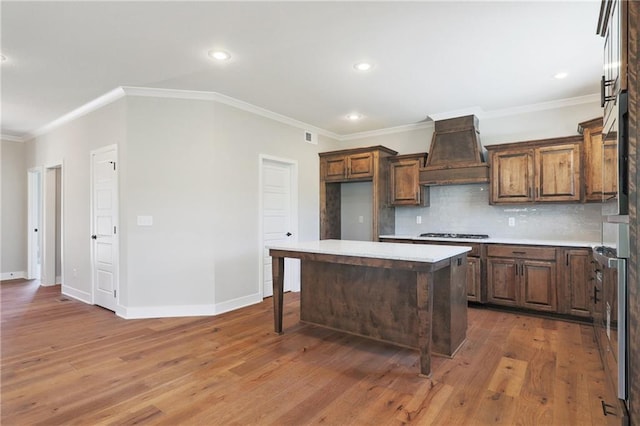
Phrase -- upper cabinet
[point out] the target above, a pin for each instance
(344, 167)
(597, 184)
(547, 170)
(404, 185)
(338, 168)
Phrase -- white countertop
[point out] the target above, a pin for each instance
(499, 240)
(393, 251)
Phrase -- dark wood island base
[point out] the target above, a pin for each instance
(416, 304)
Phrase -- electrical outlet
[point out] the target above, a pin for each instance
(418, 220)
(360, 219)
(512, 221)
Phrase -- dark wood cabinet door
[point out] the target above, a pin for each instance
(579, 282)
(502, 281)
(594, 151)
(558, 173)
(334, 168)
(360, 166)
(473, 279)
(609, 168)
(405, 189)
(512, 176)
(538, 284)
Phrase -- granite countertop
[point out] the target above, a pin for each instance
(372, 249)
(501, 240)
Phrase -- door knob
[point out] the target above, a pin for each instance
(289, 234)
(94, 237)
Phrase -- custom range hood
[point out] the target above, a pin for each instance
(456, 155)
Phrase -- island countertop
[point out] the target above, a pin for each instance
(376, 250)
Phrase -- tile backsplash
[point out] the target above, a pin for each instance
(466, 209)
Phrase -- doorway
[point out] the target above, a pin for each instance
(51, 272)
(278, 218)
(104, 227)
(34, 219)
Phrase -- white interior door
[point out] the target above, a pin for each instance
(35, 224)
(104, 238)
(279, 218)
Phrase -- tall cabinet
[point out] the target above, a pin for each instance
(342, 167)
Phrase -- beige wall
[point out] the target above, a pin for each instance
(70, 145)
(13, 247)
(194, 167)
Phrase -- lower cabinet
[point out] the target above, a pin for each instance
(522, 276)
(540, 278)
(474, 279)
(578, 282)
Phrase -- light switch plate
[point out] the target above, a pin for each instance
(145, 220)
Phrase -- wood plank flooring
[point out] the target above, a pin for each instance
(65, 362)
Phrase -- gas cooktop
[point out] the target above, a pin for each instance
(451, 235)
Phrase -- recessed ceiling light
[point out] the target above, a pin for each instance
(561, 75)
(363, 66)
(354, 116)
(220, 55)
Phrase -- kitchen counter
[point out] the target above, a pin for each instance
(500, 240)
(409, 295)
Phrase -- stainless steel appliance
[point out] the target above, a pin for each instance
(611, 276)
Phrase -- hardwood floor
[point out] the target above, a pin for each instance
(64, 362)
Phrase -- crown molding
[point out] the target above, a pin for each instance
(90, 106)
(120, 92)
(387, 131)
(227, 100)
(543, 106)
(11, 138)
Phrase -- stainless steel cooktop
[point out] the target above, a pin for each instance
(452, 235)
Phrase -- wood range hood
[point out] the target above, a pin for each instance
(456, 155)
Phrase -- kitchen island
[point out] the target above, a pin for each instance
(408, 295)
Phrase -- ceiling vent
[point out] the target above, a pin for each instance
(456, 155)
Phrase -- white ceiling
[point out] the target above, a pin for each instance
(296, 58)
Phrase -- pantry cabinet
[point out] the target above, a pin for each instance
(522, 276)
(404, 185)
(547, 170)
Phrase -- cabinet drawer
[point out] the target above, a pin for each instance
(521, 252)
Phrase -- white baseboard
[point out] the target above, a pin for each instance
(80, 295)
(13, 275)
(238, 303)
(141, 312)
